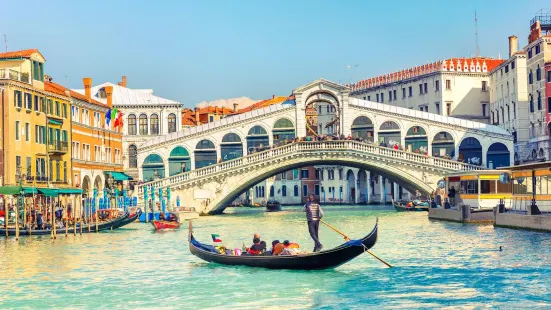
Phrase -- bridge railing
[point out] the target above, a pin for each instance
(308, 146)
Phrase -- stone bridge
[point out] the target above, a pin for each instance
(210, 185)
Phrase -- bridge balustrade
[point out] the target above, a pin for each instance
(306, 147)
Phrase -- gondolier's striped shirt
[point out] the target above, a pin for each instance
(312, 211)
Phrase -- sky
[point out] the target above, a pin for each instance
(193, 51)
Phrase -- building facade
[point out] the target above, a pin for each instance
(96, 147)
(509, 107)
(145, 116)
(457, 87)
(36, 124)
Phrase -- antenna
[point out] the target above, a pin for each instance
(6, 42)
(476, 32)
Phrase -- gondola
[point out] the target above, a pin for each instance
(165, 225)
(120, 221)
(401, 208)
(273, 206)
(307, 261)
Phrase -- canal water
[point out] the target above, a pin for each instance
(436, 264)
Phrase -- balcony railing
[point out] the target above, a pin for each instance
(58, 146)
(14, 75)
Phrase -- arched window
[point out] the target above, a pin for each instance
(362, 128)
(539, 100)
(284, 190)
(143, 125)
(272, 191)
(283, 130)
(257, 139)
(538, 73)
(179, 161)
(231, 147)
(132, 130)
(295, 191)
(171, 123)
(205, 154)
(153, 168)
(133, 155)
(530, 77)
(154, 119)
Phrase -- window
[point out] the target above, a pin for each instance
(40, 168)
(515, 110)
(50, 176)
(36, 104)
(437, 105)
(284, 190)
(382, 97)
(425, 88)
(539, 101)
(538, 73)
(57, 171)
(497, 114)
(508, 113)
(330, 174)
(28, 101)
(132, 156)
(368, 98)
(211, 118)
(410, 89)
(530, 77)
(484, 107)
(403, 93)
(50, 106)
(171, 123)
(154, 119)
(17, 99)
(529, 53)
(507, 69)
(17, 161)
(420, 89)
(295, 190)
(17, 130)
(448, 108)
(304, 174)
(132, 124)
(503, 114)
(64, 111)
(143, 124)
(118, 159)
(316, 189)
(377, 97)
(531, 104)
(57, 110)
(27, 132)
(341, 171)
(549, 76)
(484, 86)
(512, 65)
(97, 153)
(436, 85)
(305, 190)
(65, 171)
(283, 176)
(448, 84)
(29, 166)
(394, 92)
(537, 49)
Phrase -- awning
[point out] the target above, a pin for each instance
(10, 190)
(119, 176)
(48, 192)
(55, 122)
(30, 190)
(70, 191)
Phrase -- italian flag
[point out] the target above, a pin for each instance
(216, 238)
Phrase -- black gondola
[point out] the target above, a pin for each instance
(401, 208)
(308, 261)
(273, 206)
(120, 221)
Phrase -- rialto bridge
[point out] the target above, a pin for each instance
(207, 166)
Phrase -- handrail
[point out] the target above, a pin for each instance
(302, 146)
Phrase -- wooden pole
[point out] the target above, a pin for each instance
(89, 213)
(53, 219)
(348, 238)
(6, 216)
(17, 221)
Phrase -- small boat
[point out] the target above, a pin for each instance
(411, 206)
(305, 261)
(115, 223)
(165, 225)
(273, 206)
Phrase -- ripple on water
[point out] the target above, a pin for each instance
(437, 265)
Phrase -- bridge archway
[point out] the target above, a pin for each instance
(390, 133)
(362, 127)
(283, 129)
(179, 161)
(205, 154)
(257, 138)
(498, 155)
(231, 146)
(153, 168)
(470, 151)
(362, 180)
(417, 140)
(323, 106)
(350, 191)
(443, 144)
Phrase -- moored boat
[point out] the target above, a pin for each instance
(305, 261)
(159, 225)
(411, 206)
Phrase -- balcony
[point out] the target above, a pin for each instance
(58, 147)
(14, 75)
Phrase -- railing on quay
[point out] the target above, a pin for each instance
(308, 146)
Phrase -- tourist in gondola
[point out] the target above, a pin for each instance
(314, 213)
(277, 247)
(257, 248)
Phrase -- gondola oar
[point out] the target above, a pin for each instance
(348, 239)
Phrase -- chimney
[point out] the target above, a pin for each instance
(123, 82)
(235, 105)
(87, 87)
(513, 43)
(273, 96)
(109, 94)
(197, 120)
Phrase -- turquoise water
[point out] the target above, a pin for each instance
(436, 264)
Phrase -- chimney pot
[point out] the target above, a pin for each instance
(109, 94)
(273, 96)
(87, 87)
(123, 82)
(235, 105)
(513, 43)
(197, 120)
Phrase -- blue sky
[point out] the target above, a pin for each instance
(207, 50)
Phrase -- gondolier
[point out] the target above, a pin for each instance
(314, 213)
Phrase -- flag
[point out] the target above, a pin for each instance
(118, 120)
(108, 117)
(216, 238)
(114, 112)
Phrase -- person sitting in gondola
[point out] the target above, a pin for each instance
(290, 248)
(258, 247)
(173, 218)
(162, 216)
(277, 247)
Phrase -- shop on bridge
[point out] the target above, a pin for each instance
(470, 151)
(389, 133)
(257, 138)
(283, 130)
(362, 128)
(179, 161)
(416, 140)
(498, 156)
(231, 147)
(153, 168)
(443, 145)
(205, 154)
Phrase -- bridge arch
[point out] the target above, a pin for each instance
(390, 132)
(363, 128)
(443, 144)
(470, 150)
(283, 129)
(231, 146)
(153, 167)
(204, 154)
(416, 139)
(179, 161)
(257, 138)
(498, 155)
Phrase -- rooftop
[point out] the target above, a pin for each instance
(20, 54)
(126, 96)
(60, 90)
